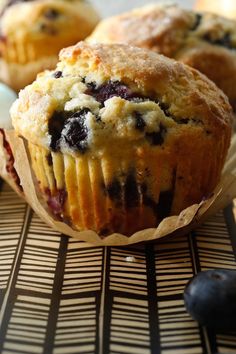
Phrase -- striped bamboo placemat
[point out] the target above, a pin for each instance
(61, 296)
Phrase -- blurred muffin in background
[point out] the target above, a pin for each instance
(204, 41)
(33, 32)
(221, 7)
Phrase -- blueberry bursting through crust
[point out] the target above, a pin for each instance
(224, 41)
(111, 89)
(75, 132)
(69, 128)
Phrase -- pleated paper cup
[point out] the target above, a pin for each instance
(104, 193)
(188, 219)
(7, 169)
(21, 61)
(18, 75)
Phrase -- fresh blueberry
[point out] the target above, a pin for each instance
(210, 298)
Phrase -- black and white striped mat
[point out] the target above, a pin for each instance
(60, 296)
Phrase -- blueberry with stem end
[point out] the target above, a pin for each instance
(210, 298)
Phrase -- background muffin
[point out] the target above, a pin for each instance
(204, 41)
(33, 32)
(120, 137)
(222, 7)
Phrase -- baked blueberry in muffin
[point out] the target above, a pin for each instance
(204, 41)
(33, 32)
(120, 137)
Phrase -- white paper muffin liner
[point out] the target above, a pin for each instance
(187, 220)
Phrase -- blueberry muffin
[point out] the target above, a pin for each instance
(204, 41)
(121, 137)
(33, 32)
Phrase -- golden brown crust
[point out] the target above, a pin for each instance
(156, 27)
(218, 64)
(200, 40)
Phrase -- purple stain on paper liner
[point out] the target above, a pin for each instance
(56, 202)
(49, 160)
(206, 197)
(160, 208)
(10, 163)
(129, 186)
(3, 38)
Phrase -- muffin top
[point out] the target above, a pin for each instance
(204, 41)
(168, 29)
(116, 95)
(37, 20)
